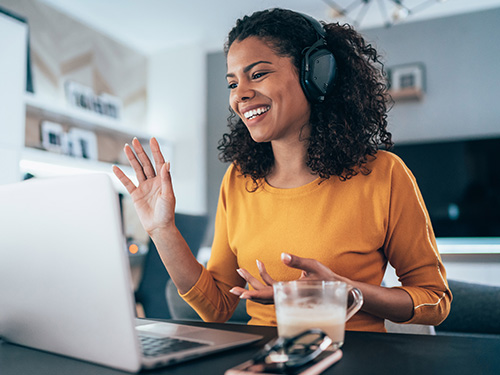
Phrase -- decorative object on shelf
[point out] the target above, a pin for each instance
(82, 143)
(53, 137)
(391, 11)
(84, 97)
(407, 82)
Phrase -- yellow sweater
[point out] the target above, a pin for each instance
(354, 227)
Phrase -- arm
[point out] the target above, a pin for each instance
(410, 247)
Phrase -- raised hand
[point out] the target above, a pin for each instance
(153, 198)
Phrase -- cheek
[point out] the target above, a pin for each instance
(233, 103)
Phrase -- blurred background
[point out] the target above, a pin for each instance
(102, 72)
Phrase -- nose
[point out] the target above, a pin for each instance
(243, 92)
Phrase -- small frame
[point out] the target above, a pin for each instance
(84, 97)
(82, 144)
(53, 137)
(407, 82)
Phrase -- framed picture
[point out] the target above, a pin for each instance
(53, 137)
(407, 82)
(82, 144)
(84, 97)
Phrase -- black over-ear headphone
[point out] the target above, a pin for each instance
(319, 67)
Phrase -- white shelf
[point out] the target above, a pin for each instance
(468, 245)
(43, 163)
(63, 112)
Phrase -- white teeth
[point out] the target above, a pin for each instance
(255, 112)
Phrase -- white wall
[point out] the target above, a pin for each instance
(460, 55)
(176, 111)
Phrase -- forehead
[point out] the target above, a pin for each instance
(245, 52)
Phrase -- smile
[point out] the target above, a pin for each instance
(256, 112)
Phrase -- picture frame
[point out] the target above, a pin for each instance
(53, 137)
(82, 144)
(407, 81)
(84, 97)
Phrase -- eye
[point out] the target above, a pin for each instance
(258, 75)
(232, 86)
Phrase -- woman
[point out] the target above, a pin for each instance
(308, 193)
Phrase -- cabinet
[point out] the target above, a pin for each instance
(13, 35)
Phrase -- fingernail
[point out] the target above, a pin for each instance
(285, 257)
(232, 290)
(259, 264)
(240, 272)
(243, 296)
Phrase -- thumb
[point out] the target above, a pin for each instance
(166, 180)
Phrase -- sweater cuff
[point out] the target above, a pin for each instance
(429, 307)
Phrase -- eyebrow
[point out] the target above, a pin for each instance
(249, 67)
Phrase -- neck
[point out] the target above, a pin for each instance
(290, 169)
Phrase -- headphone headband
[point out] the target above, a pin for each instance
(318, 27)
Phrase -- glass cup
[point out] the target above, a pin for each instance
(302, 305)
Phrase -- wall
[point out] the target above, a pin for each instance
(217, 114)
(176, 111)
(460, 55)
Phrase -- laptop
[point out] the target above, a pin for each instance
(65, 283)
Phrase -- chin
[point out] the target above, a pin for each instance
(259, 138)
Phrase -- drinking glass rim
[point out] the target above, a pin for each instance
(310, 282)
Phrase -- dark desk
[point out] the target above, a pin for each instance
(364, 353)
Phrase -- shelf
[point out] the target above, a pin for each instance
(78, 117)
(468, 245)
(49, 164)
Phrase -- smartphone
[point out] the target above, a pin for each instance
(315, 367)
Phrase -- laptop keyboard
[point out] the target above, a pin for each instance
(155, 346)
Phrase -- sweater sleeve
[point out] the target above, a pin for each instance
(410, 247)
(210, 296)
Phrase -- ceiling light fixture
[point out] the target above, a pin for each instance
(355, 11)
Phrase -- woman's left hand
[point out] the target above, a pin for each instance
(263, 293)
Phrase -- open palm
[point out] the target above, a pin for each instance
(153, 198)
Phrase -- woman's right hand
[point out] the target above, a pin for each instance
(153, 198)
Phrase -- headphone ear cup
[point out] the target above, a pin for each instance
(317, 73)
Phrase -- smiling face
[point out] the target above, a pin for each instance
(266, 92)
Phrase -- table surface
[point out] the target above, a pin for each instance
(364, 353)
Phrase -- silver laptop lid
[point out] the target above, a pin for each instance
(65, 283)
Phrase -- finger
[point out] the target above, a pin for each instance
(264, 296)
(256, 284)
(263, 273)
(136, 165)
(305, 264)
(157, 154)
(166, 180)
(129, 185)
(237, 291)
(149, 171)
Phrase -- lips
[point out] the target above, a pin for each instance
(256, 112)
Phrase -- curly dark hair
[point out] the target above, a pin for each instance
(346, 128)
